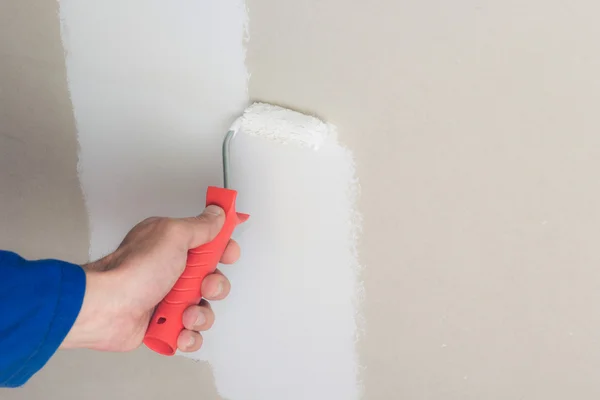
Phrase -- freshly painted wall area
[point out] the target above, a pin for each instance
(153, 97)
(288, 329)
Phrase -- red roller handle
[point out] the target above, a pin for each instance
(167, 323)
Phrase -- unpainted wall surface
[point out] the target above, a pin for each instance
(475, 130)
(41, 206)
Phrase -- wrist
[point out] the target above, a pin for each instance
(93, 319)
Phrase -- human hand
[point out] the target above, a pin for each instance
(124, 287)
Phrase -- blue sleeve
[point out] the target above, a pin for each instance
(39, 302)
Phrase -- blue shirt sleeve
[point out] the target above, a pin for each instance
(39, 302)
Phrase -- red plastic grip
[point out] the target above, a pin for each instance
(166, 323)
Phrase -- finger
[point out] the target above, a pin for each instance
(198, 318)
(215, 286)
(231, 253)
(205, 227)
(189, 341)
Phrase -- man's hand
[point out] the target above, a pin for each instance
(124, 287)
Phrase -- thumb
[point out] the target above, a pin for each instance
(206, 226)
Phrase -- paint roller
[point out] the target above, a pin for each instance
(260, 119)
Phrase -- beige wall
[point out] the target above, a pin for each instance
(475, 129)
(41, 207)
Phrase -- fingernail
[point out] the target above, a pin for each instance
(213, 210)
(201, 320)
(218, 290)
(191, 341)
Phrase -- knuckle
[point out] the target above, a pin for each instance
(150, 220)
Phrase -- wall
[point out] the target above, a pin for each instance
(474, 129)
(475, 132)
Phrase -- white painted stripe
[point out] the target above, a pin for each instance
(155, 84)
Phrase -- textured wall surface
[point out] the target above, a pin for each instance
(475, 130)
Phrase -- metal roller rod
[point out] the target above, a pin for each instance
(226, 157)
